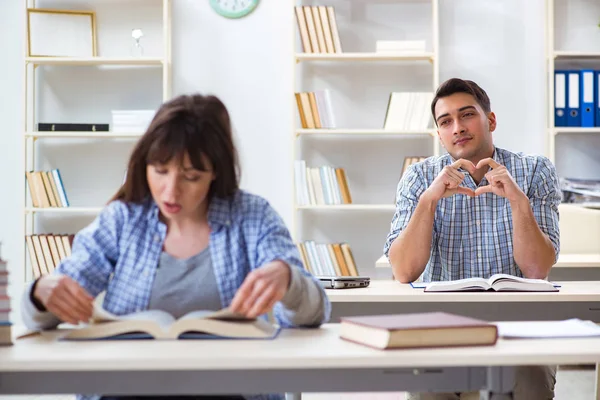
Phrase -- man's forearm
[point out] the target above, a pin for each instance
(410, 251)
(533, 250)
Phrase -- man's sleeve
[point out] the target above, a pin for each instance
(410, 188)
(545, 196)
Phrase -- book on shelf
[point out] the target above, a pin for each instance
(323, 185)
(408, 111)
(417, 330)
(315, 109)
(318, 29)
(327, 259)
(496, 282)
(5, 304)
(46, 251)
(46, 189)
(158, 324)
(71, 127)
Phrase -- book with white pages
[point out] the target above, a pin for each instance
(570, 328)
(496, 282)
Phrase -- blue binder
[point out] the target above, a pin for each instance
(560, 98)
(587, 109)
(597, 97)
(573, 116)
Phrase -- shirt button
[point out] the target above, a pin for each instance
(145, 273)
(156, 238)
(478, 223)
(478, 255)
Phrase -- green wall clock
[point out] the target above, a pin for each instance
(233, 8)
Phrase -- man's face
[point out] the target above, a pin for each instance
(464, 129)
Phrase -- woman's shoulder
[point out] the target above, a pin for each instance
(242, 205)
(123, 211)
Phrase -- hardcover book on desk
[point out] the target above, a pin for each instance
(435, 329)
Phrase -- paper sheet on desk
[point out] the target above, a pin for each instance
(547, 329)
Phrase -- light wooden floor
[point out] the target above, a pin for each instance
(571, 384)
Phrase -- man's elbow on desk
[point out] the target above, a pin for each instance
(404, 272)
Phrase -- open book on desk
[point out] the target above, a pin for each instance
(496, 282)
(157, 324)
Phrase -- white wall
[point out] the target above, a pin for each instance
(248, 64)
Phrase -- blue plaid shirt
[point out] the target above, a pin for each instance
(472, 237)
(126, 241)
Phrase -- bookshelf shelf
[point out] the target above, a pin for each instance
(51, 167)
(63, 210)
(84, 135)
(567, 130)
(142, 61)
(364, 132)
(348, 207)
(576, 54)
(427, 56)
(333, 88)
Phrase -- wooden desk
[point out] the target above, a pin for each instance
(310, 360)
(569, 267)
(574, 300)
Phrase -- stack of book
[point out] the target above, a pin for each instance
(131, 121)
(315, 110)
(47, 251)
(318, 29)
(46, 189)
(409, 111)
(323, 185)
(328, 259)
(5, 325)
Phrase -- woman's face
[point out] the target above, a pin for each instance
(179, 189)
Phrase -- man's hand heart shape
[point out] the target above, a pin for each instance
(472, 169)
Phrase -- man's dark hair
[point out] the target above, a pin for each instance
(457, 85)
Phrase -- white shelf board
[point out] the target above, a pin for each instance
(83, 134)
(576, 54)
(426, 56)
(349, 207)
(575, 129)
(363, 132)
(64, 210)
(141, 61)
(564, 261)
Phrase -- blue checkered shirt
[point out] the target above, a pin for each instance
(472, 237)
(126, 241)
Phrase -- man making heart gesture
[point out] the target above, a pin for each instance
(477, 211)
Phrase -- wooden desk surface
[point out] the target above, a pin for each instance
(380, 291)
(564, 261)
(293, 349)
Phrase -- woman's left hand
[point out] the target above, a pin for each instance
(261, 289)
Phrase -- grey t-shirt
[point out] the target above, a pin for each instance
(184, 285)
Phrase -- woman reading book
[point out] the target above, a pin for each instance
(179, 235)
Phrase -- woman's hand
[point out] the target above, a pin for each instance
(65, 298)
(261, 289)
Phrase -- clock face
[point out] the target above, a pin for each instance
(233, 8)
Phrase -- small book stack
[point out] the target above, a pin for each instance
(328, 259)
(46, 189)
(323, 185)
(47, 251)
(409, 112)
(318, 29)
(131, 121)
(315, 110)
(5, 325)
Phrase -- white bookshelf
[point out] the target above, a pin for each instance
(371, 156)
(113, 63)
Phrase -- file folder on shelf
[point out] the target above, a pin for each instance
(587, 110)
(573, 116)
(560, 98)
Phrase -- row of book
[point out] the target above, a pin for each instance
(577, 98)
(47, 251)
(46, 189)
(320, 185)
(327, 259)
(409, 111)
(315, 110)
(318, 29)
(5, 304)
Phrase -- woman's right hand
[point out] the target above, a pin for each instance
(65, 298)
